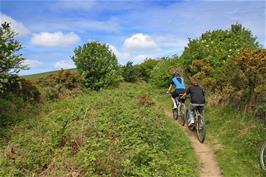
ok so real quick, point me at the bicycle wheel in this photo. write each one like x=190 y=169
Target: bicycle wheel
x=175 y=114
x=181 y=119
x=263 y=156
x=200 y=127
x=186 y=117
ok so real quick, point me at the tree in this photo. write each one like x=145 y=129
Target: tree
x=129 y=72
x=11 y=62
x=97 y=65
x=215 y=47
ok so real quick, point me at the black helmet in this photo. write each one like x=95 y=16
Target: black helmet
x=176 y=74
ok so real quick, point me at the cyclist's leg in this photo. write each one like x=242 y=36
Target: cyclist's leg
x=180 y=92
x=173 y=98
x=191 y=114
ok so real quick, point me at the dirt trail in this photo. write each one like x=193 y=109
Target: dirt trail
x=208 y=166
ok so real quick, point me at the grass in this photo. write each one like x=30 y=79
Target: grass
x=235 y=137
x=116 y=132
x=239 y=139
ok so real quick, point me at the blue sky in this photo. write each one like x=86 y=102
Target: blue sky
x=51 y=29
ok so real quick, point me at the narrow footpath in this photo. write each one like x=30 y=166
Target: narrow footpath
x=208 y=166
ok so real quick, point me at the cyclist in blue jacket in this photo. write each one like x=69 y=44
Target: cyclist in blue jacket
x=180 y=88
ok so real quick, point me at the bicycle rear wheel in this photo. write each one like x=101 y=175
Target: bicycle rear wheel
x=175 y=114
x=263 y=156
x=182 y=114
x=200 y=127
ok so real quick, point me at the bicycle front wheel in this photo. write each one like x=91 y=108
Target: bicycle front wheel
x=263 y=156
x=200 y=127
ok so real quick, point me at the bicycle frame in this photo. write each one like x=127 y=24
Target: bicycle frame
x=179 y=113
x=197 y=115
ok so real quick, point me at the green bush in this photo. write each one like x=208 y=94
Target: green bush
x=22 y=88
x=129 y=72
x=162 y=73
x=203 y=56
x=97 y=65
x=215 y=47
x=246 y=74
x=144 y=69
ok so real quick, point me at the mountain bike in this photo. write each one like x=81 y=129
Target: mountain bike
x=199 y=123
x=179 y=113
x=263 y=156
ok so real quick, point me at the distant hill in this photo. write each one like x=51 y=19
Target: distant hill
x=39 y=75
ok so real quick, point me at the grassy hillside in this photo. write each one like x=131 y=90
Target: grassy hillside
x=40 y=75
x=116 y=132
x=235 y=137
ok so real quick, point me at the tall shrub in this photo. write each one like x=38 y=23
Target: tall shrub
x=245 y=72
x=97 y=65
x=129 y=72
x=11 y=62
x=162 y=72
x=144 y=69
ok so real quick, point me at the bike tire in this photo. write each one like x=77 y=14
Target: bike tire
x=263 y=157
x=181 y=119
x=201 y=131
x=175 y=114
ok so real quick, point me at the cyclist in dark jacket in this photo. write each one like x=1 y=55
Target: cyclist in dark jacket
x=180 y=88
x=197 y=99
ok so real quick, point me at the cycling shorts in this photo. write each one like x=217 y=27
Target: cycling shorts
x=178 y=92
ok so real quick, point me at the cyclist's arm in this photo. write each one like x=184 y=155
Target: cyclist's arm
x=170 y=87
x=187 y=92
x=184 y=95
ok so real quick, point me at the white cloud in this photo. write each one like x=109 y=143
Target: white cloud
x=120 y=56
x=16 y=26
x=64 y=64
x=140 y=41
x=33 y=63
x=114 y=50
x=57 y=39
x=140 y=58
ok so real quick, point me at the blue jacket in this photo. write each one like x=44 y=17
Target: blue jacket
x=178 y=82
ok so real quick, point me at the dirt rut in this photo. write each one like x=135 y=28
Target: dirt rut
x=208 y=166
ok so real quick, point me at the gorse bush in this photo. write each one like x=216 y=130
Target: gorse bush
x=24 y=89
x=60 y=84
x=65 y=78
x=97 y=65
x=245 y=74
